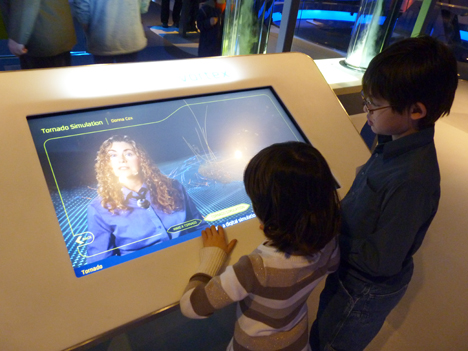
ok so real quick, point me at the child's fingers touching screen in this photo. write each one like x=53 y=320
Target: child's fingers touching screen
x=215 y=237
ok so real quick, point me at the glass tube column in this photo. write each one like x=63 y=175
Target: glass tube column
x=246 y=26
x=371 y=32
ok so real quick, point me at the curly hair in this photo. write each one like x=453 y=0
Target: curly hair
x=163 y=194
x=293 y=193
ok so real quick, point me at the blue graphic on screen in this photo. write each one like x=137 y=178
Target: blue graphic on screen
x=129 y=180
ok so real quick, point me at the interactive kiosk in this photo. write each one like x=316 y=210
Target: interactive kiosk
x=73 y=267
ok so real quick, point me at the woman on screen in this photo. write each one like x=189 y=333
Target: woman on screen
x=137 y=205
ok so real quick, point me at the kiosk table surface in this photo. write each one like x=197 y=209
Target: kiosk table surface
x=199 y=121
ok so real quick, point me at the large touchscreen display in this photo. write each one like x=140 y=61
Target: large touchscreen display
x=129 y=180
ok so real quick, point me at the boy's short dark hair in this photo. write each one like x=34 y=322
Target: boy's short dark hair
x=414 y=70
x=293 y=193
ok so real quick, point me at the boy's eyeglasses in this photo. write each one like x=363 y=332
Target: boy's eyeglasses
x=366 y=103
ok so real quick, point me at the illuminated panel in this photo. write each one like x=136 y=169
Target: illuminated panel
x=201 y=143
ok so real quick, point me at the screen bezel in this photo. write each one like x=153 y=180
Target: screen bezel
x=98 y=266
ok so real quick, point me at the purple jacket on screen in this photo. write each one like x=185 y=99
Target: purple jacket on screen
x=127 y=231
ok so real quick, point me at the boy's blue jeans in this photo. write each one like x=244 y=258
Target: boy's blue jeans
x=351 y=313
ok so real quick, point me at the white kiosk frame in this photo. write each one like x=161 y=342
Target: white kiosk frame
x=44 y=305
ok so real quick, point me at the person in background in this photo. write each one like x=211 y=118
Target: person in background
x=3 y=32
x=40 y=32
x=114 y=31
x=395 y=195
x=293 y=194
x=165 y=9
x=209 y=23
x=193 y=6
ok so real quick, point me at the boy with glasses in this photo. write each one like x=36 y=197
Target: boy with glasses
x=395 y=195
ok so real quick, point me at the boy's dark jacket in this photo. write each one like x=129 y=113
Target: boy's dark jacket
x=389 y=208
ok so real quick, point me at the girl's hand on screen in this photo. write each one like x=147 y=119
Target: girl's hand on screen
x=216 y=237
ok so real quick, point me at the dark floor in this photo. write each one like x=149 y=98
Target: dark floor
x=159 y=48
x=171 y=331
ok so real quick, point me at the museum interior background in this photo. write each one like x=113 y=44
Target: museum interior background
x=322 y=29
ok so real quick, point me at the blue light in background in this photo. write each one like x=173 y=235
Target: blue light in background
x=464 y=35
x=327 y=15
x=320 y=14
x=336 y=16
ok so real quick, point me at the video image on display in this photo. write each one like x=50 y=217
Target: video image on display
x=128 y=180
